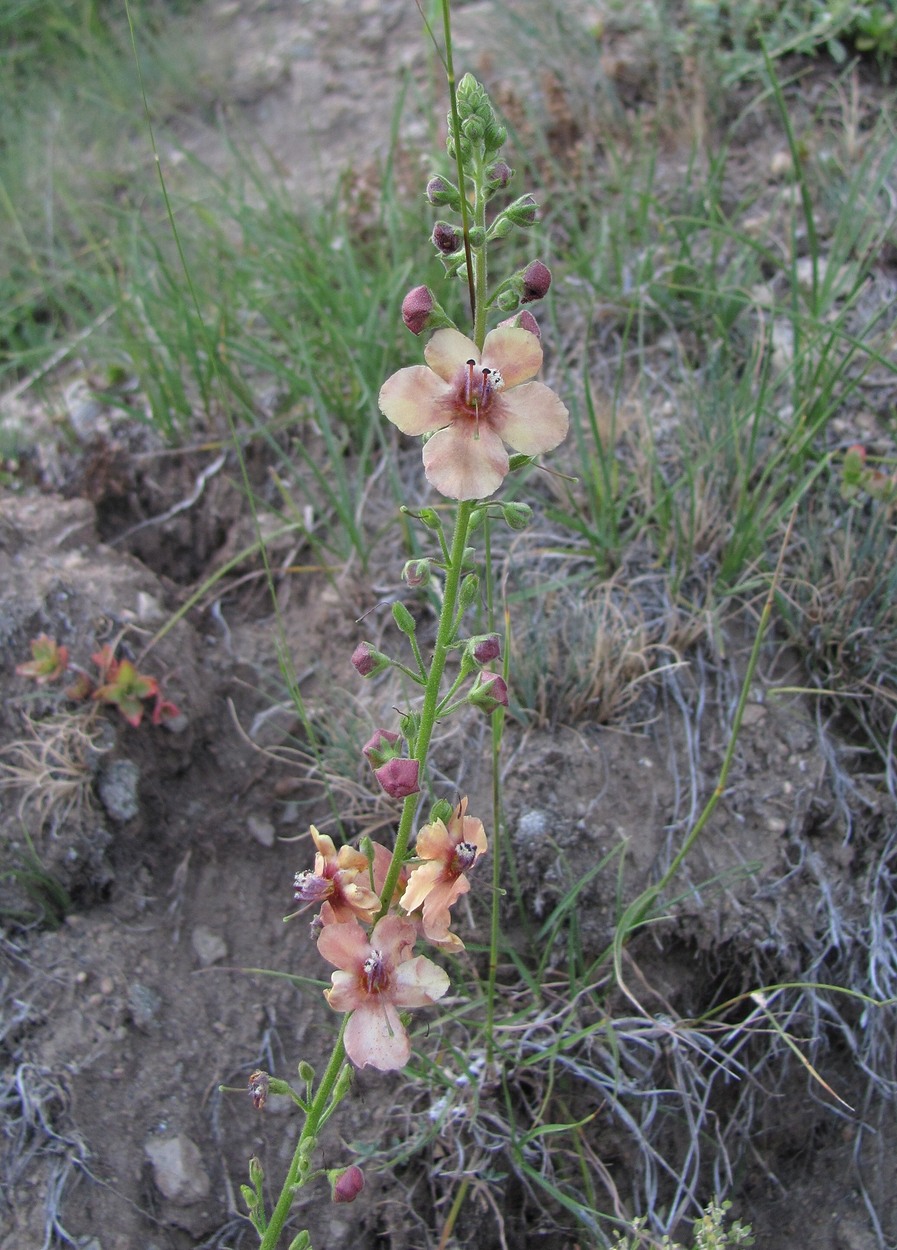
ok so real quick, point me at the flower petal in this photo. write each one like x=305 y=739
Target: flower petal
x=515 y=353
x=414 y=399
x=434 y=842
x=344 y=945
x=419 y=982
x=344 y=994
x=436 y=914
x=375 y=1036
x=394 y=936
x=420 y=883
x=532 y=419
x=462 y=466
x=448 y=351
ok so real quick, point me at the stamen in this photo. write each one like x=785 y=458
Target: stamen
x=469 y=396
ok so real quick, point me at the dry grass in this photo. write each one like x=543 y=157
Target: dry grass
x=52 y=768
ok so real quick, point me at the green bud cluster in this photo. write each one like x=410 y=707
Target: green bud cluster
x=482 y=135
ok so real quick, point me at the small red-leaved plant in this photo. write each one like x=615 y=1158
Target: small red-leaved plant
x=119 y=681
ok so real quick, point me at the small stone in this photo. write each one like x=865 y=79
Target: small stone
x=178 y=1169
x=143 y=1004
x=780 y=165
x=208 y=946
x=261 y=829
x=118 y=790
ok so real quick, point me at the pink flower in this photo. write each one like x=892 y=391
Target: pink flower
x=377 y=977
x=473 y=405
x=450 y=852
x=338 y=882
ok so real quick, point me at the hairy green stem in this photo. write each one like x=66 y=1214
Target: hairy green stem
x=445 y=636
x=316 y=1115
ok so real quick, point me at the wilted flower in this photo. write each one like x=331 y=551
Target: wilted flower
x=421 y=311
x=399 y=777
x=473 y=405
x=381 y=746
x=446 y=238
x=484 y=648
x=346 y=1184
x=450 y=851
x=536 y=281
x=338 y=879
x=368 y=661
x=377 y=977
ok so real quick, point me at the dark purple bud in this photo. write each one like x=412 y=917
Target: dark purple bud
x=498 y=176
x=485 y=648
x=399 y=777
x=346 y=1185
x=536 y=281
x=524 y=320
x=443 y=193
x=368 y=661
x=446 y=238
x=381 y=747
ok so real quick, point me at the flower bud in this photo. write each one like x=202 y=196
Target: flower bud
x=517 y=516
x=446 y=238
x=399 y=777
x=416 y=573
x=536 y=281
x=500 y=228
x=470 y=588
x=368 y=661
x=484 y=648
x=381 y=747
x=422 y=311
x=488 y=693
x=508 y=300
x=523 y=321
x=404 y=620
x=442 y=193
x=498 y=176
x=523 y=211
x=442 y=810
x=346 y=1184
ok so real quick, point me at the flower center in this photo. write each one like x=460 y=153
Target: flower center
x=375 y=973
x=464 y=857
x=479 y=386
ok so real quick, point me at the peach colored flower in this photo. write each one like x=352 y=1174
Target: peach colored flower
x=473 y=405
x=339 y=881
x=376 y=977
x=450 y=852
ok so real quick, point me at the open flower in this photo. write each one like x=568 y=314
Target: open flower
x=377 y=977
x=450 y=851
x=337 y=882
x=473 y=405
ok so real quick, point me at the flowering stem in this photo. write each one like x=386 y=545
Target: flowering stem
x=445 y=636
x=317 y=1113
